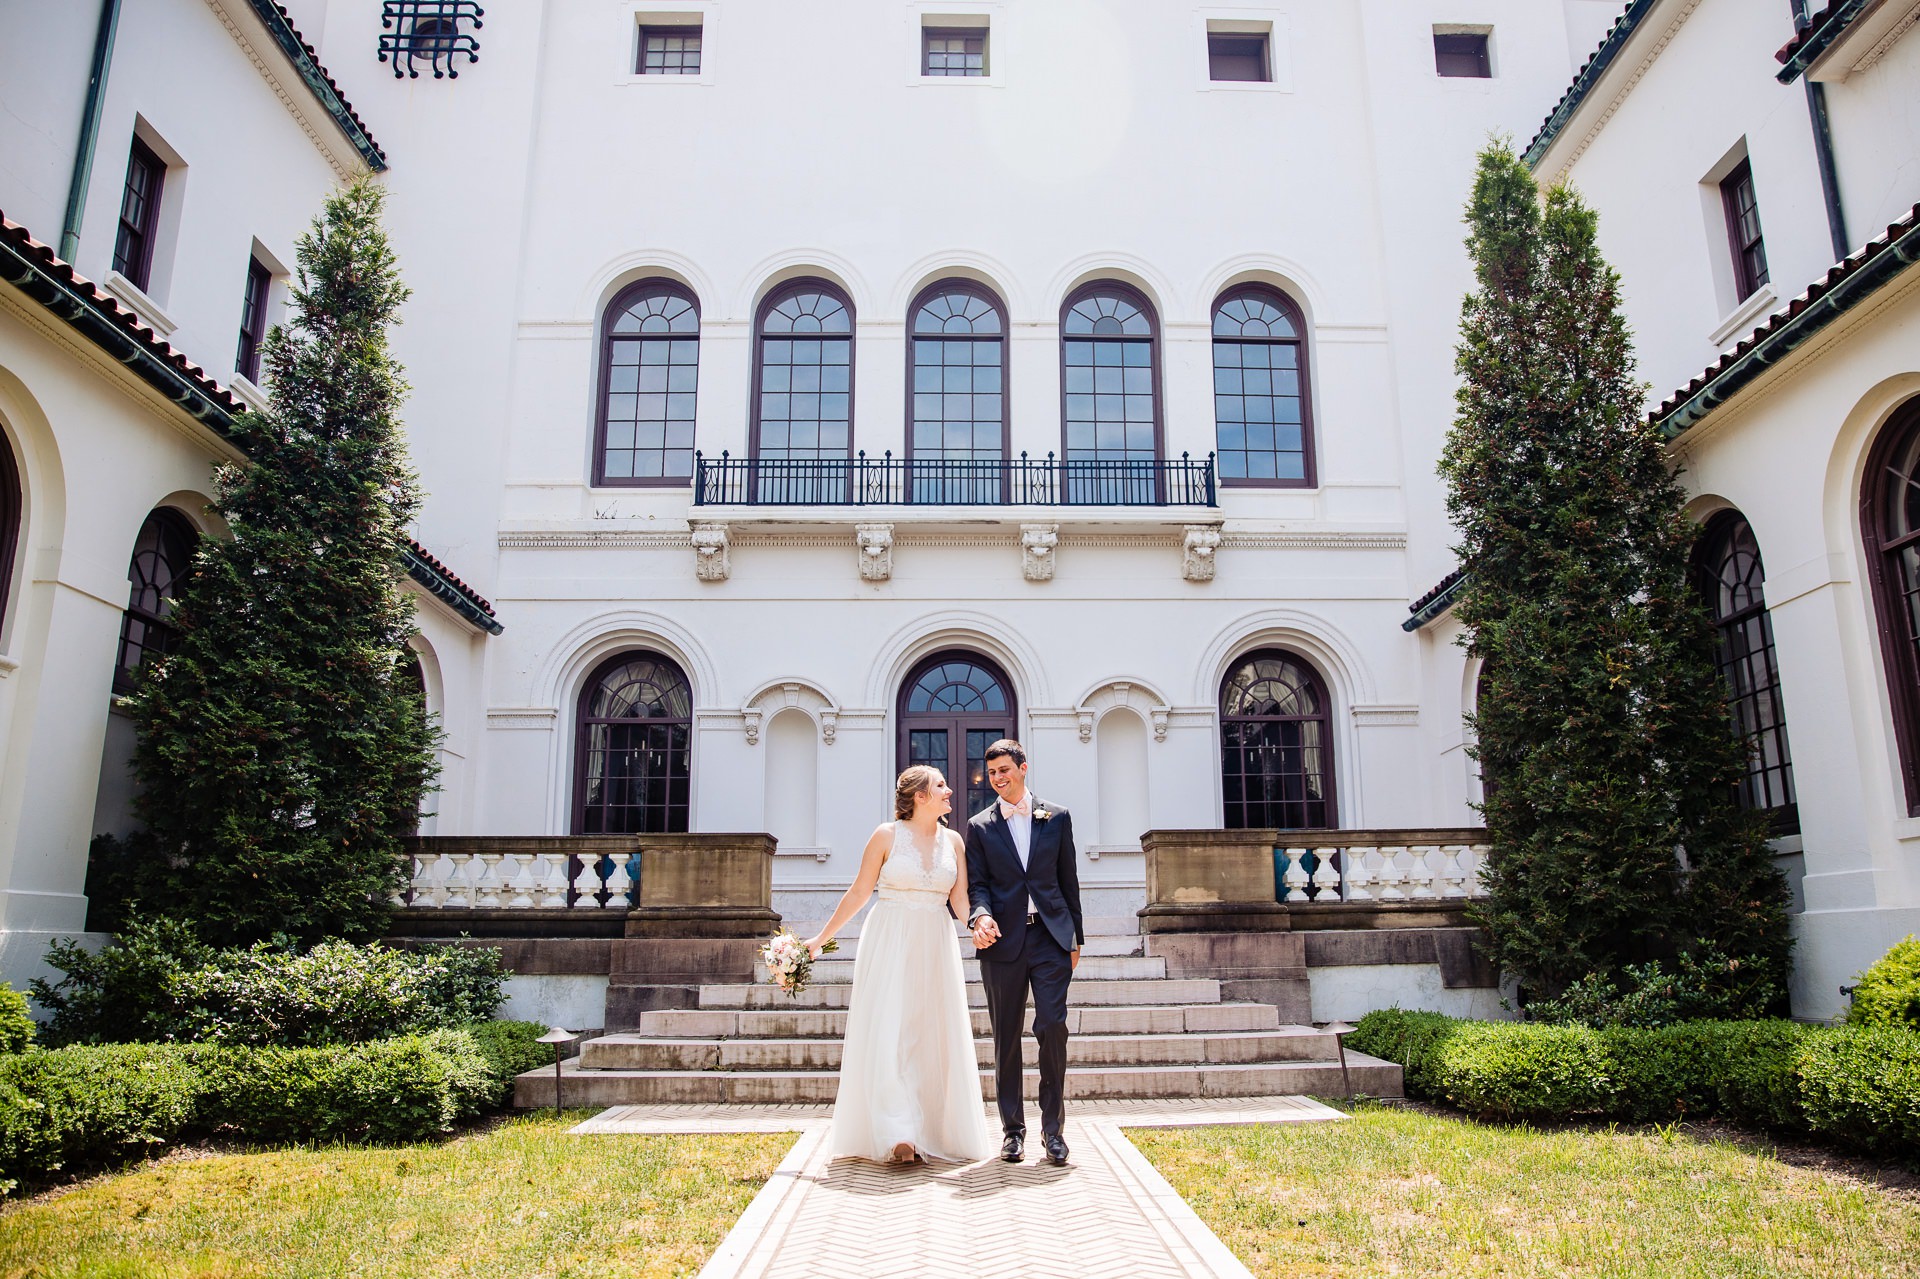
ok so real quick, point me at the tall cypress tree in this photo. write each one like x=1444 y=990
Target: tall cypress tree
x=283 y=747
x=1603 y=726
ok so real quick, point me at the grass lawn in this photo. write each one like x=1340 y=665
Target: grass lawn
x=521 y=1199
x=1401 y=1192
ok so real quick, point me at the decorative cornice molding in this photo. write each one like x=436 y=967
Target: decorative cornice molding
x=326 y=93
x=1327 y=540
x=1590 y=76
x=523 y=718
x=1385 y=715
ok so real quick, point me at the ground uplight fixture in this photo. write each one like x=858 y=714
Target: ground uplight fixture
x=1338 y=1029
x=557 y=1036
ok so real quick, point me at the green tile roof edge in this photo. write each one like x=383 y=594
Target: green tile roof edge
x=1585 y=79
x=1436 y=603
x=324 y=90
x=1806 y=46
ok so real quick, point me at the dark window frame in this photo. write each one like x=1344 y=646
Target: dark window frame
x=1329 y=772
x=788 y=288
x=13 y=513
x=956 y=724
x=253 y=319
x=972 y=288
x=1749 y=254
x=1744 y=637
x=929 y=34
x=134 y=239
x=1309 y=465
x=155 y=633
x=677 y=822
x=1456 y=49
x=665 y=30
x=1218 y=52
x=1155 y=364
x=1900 y=663
x=625 y=298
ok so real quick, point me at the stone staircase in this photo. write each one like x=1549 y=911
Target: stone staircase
x=1135 y=1032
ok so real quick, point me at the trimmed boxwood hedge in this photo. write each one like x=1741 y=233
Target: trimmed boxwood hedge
x=1853 y=1087
x=97 y=1105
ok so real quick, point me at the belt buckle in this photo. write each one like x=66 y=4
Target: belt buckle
x=1033 y=917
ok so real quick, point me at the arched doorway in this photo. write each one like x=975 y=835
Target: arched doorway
x=1276 y=745
x=953 y=706
x=632 y=761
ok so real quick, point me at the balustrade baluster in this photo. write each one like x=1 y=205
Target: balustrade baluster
x=430 y=885
x=521 y=885
x=1422 y=872
x=1453 y=875
x=487 y=881
x=1359 y=874
x=1477 y=853
x=619 y=882
x=1296 y=876
x=553 y=881
x=586 y=884
x=458 y=898
x=1326 y=876
x=1392 y=875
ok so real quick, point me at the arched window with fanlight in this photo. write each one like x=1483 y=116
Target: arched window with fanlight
x=1110 y=380
x=1263 y=419
x=162 y=557
x=956 y=394
x=1276 y=740
x=649 y=374
x=633 y=753
x=953 y=706
x=12 y=514
x=802 y=439
x=1890 y=524
x=1730 y=578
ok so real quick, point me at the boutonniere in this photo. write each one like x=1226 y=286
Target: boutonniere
x=1041 y=814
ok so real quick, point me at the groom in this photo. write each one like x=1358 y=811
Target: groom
x=1024 y=885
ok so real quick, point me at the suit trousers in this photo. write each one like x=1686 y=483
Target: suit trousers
x=1046 y=970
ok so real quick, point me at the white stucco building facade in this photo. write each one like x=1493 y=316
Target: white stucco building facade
x=1091 y=293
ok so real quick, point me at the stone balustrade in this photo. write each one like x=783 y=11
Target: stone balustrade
x=1379 y=866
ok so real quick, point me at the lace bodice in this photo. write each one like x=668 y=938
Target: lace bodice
x=906 y=877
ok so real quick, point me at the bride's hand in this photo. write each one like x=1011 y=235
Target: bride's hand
x=814 y=946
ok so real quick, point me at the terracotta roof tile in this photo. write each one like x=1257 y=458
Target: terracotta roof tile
x=474 y=597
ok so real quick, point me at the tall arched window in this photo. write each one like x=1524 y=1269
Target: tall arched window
x=952 y=707
x=12 y=512
x=956 y=397
x=162 y=556
x=633 y=754
x=1261 y=413
x=649 y=370
x=1730 y=577
x=1890 y=522
x=1276 y=739
x=803 y=394
x=1110 y=379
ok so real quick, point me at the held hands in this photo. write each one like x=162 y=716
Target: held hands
x=985 y=932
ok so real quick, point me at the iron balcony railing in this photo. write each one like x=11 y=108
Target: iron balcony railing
x=892 y=481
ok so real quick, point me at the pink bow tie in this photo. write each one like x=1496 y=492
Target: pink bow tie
x=1022 y=809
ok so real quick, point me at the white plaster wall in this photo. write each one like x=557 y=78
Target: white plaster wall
x=1349 y=992
x=574 y=1001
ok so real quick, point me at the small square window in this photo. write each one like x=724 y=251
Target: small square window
x=953 y=51
x=1238 y=57
x=1462 y=54
x=669 y=51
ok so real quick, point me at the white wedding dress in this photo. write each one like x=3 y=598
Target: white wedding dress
x=907 y=1069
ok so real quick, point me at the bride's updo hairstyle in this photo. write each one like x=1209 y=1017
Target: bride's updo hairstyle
x=917 y=780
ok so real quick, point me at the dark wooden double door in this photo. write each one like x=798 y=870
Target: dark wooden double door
x=953 y=706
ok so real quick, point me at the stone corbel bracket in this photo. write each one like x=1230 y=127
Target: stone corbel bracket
x=1199 y=546
x=791 y=693
x=710 y=558
x=875 y=542
x=1136 y=695
x=1037 y=542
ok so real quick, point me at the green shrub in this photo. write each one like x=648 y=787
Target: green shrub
x=1503 y=1070
x=510 y=1049
x=1888 y=994
x=92 y=1105
x=16 y=1024
x=1749 y=1067
x=391 y=1090
x=123 y=993
x=1703 y=985
x=1409 y=1037
x=1861 y=1087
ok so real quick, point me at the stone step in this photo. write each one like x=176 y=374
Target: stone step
x=1164 y=990
x=801 y=1023
x=1095 y=946
x=638 y=1052
x=1093 y=927
x=1371 y=1077
x=1092 y=968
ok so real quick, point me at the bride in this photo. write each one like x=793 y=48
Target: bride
x=909 y=1081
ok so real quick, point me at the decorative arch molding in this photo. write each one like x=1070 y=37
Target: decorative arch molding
x=1313 y=637
x=580 y=650
x=790 y=694
x=1123 y=693
x=960 y=264
x=1702 y=507
x=644 y=264
x=770 y=273
x=36 y=453
x=197 y=509
x=1127 y=269
x=1284 y=274
x=430 y=674
x=959 y=628
x=1847 y=464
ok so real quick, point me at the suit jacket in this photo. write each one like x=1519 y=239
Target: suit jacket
x=997 y=883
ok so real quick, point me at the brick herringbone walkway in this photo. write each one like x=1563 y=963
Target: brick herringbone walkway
x=1108 y=1215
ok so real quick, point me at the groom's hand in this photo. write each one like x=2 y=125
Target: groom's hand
x=1073 y=957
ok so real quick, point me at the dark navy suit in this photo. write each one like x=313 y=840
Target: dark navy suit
x=1027 y=958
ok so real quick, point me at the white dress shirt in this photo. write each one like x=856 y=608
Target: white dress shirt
x=1021 y=828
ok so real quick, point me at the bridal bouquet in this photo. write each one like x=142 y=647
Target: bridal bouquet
x=789 y=962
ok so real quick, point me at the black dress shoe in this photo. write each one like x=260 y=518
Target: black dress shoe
x=1056 y=1150
x=1014 y=1148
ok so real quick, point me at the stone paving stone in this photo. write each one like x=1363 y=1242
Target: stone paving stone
x=1108 y=1215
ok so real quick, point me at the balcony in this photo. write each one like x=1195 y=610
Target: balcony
x=891 y=481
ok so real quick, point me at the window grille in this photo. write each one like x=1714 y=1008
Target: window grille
x=670 y=50
x=431 y=31
x=949 y=52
